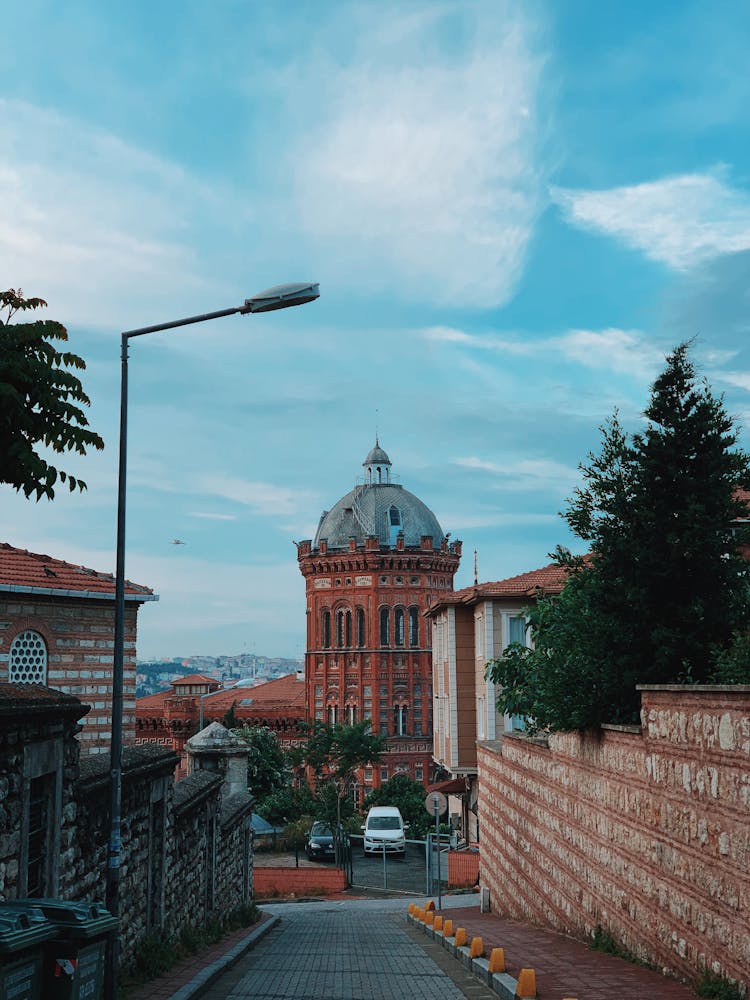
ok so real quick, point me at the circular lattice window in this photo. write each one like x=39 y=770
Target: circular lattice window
x=28 y=659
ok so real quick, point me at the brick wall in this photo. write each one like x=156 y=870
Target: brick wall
x=298 y=881
x=642 y=831
x=463 y=868
x=79 y=635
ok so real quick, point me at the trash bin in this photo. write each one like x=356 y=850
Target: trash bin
x=75 y=952
x=23 y=933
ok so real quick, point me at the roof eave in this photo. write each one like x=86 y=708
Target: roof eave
x=89 y=595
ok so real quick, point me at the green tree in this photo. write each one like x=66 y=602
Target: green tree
x=268 y=768
x=41 y=401
x=665 y=589
x=286 y=805
x=335 y=754
x=408 y=796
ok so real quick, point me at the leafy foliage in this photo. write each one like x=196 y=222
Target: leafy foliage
x=408 y=796
x=267 y=765
x=286 y=805
x=41 y=401
x=718 y=988
x=665 y=589
x=334 y=754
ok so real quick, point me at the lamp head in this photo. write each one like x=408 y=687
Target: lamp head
x=295 y=293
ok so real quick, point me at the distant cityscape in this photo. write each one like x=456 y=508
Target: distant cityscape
x=153 y=676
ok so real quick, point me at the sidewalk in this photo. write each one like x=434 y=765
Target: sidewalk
x=186 y=979
x=565 y=967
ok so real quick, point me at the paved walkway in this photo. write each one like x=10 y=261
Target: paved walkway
x=565 y=967
x=363 y=949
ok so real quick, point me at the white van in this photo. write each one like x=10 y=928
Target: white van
x=384 y=828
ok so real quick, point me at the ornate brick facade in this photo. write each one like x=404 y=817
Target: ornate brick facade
x=379 y=559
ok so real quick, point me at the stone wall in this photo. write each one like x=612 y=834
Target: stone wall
x=186 y=846
x=643 y=831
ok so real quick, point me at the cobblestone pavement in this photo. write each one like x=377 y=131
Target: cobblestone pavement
x=343 y=951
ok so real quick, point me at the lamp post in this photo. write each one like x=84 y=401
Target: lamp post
x=279 y=297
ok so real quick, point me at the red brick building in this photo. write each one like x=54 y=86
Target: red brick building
x=57 y=628
x=170 y=718
x=378 y=561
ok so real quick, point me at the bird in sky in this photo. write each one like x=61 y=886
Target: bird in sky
x=178 y=541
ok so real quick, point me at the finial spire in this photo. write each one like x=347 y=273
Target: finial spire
x=476 y=569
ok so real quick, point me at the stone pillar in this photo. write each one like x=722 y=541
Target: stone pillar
x=216 y=749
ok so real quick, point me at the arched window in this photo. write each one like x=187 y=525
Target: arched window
x=326 y=630
x=333 y=715
x=385 y=627
x=351 y=715
x=361 y=638
x=413 y=626
x=348 y=629
x=27 y=660
x=400 y=713
x=339 y=629
x=398 y=627
x=395 y=524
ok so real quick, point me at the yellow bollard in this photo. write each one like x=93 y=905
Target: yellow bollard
x=526 y=985
x=438 y=924
x=497 y=960
x=410 y=910
x=448 y=928
x=476 y=949
x=429 y=905
x=429 y=917
x=460 y=936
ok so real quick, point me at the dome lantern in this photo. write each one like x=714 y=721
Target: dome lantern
x=377 y=466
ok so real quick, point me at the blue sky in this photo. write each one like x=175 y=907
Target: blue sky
x=514 y=210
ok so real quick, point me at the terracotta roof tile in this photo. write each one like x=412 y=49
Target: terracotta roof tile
x=549 y=579
x=194 y=679
x=281 y=694
x=23 y=570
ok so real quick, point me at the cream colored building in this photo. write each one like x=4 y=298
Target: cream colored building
x=470 y=627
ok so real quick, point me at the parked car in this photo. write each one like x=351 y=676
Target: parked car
x=319 y=842
x=384 y=828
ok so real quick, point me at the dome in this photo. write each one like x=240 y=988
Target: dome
x=376 y=457
x=380 y=508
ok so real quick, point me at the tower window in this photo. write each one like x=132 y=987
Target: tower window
x=360 y=628
x=385 y=627
x=326 y=630
x=398 y=630
x=414 y=626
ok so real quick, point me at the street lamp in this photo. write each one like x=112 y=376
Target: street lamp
x=279 y=297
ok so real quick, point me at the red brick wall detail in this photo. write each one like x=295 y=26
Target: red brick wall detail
x=646 y=833
x=80 y=645
x=463 y=868
x=297 y=881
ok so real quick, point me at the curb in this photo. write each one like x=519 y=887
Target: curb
x=212 y=972
x=499 y=982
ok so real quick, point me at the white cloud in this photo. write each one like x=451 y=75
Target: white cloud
x=95 y=226
x=492 y=519
x=627 y=352
x=212 y=517
x=739 y=379
x=422 y=175
x=623 y=351
x=263 y=498
x=524 y=474
x=679 y=221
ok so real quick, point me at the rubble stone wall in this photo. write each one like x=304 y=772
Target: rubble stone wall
x=642 y=831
